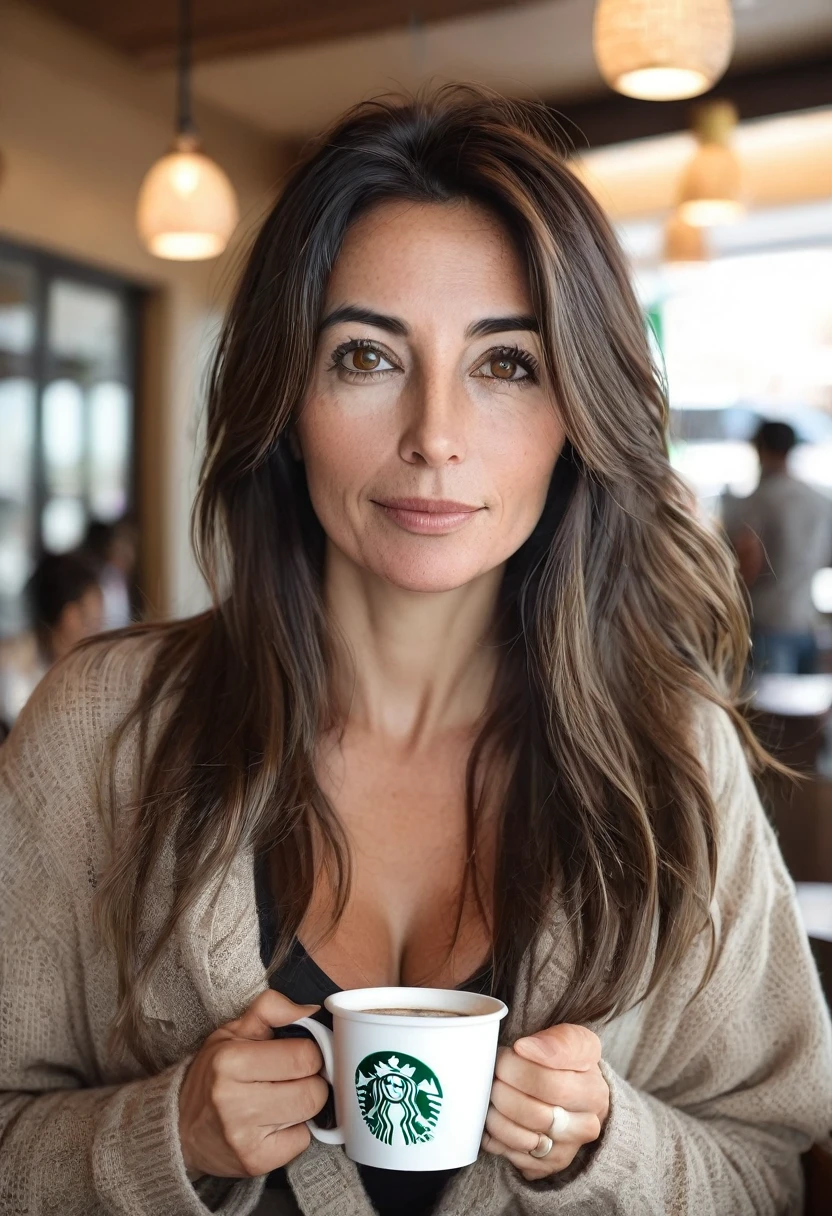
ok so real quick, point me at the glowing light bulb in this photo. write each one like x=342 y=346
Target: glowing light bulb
x=187 y=208
x=663 y=50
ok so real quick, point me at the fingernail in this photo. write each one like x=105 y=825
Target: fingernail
x=532 y=1047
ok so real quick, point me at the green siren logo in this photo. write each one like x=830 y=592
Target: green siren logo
x=399 y=1097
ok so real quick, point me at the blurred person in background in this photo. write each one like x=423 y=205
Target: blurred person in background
x=782 y=534
x=112 y=547
x=65 y=606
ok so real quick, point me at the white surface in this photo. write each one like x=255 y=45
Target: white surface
x=815 y=901
x=794 y=696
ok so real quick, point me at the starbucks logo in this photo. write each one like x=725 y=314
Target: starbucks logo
x=399 y=1097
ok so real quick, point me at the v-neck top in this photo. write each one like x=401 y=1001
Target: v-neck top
x=392 y=1192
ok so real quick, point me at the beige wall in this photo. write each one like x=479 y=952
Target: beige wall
x=78 y=128
x=786 y=159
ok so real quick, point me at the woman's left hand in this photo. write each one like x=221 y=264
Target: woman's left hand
x=557 y=1068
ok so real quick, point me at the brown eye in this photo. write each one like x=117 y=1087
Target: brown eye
x=508 y=364
x=361 y=360
x=503 y=369
x=364 y=360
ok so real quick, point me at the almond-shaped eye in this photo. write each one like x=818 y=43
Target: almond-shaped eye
x=365 y=359
x=504 y=367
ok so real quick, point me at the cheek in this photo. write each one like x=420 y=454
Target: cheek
x=341 y=451
x=522 y=453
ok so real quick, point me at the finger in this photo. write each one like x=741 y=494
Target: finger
x=555 y=1087
x=583 y=1129
x=520 y=1108
x=272 y=1106
x=266 y=1011
x=531 y=1167
x=278 y=1060
x=284 y=1145
x=299 y=1100
x=509 y=1134
x=274 y=1150
x=565 y=1046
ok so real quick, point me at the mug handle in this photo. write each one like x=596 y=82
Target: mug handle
x=323 y=1037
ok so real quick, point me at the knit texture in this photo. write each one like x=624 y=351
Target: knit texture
x=714 y=1094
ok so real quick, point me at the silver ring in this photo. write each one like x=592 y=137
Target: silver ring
x=543 y=1148
x=560 y=1122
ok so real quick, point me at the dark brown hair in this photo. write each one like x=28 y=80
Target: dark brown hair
x=616 y=617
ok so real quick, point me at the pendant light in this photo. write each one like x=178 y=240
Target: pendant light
x=710 y=190
x=683 y=242
x=187 y=208
x=663 y=50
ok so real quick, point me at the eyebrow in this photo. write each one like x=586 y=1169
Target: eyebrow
x=395 y=325
x=365 y=316
x=498 y=325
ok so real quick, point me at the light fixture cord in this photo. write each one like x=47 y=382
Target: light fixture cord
x=184 y=118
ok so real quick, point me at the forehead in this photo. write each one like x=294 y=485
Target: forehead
x=444 y=251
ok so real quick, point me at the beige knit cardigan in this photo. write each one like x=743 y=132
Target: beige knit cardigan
x=713 y=1095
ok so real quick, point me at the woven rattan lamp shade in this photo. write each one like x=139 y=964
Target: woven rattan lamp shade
x=710 y=191
x=660 y=50
x=683 y=242
x=187 y=208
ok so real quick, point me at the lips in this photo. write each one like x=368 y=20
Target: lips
x=427 y=506
x=428 y=516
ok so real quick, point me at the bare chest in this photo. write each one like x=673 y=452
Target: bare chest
x=406 y=822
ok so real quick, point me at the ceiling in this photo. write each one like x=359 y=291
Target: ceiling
x=148 y=31
x=290 y=68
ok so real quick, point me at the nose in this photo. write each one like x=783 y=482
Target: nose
x=435 y=421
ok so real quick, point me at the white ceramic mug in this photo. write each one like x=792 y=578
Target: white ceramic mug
x=411 y=1093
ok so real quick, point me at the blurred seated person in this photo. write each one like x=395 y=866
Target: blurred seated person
x=65 y=605
x=112 y=547
x=782 y=536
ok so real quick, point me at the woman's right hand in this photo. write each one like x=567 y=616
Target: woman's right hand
x=246 y=1095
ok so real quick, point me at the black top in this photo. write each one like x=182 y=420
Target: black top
x=392 y=1192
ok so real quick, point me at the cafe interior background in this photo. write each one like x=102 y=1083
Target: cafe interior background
x=142 y=144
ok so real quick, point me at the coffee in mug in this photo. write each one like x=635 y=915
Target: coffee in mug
x=418 y=1013
x=412 y=1070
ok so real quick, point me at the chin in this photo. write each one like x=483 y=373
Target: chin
x=429 y=576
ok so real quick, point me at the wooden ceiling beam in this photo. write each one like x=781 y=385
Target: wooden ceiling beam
x=223 y=28
x=757 y=93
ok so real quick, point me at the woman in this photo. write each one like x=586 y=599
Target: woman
x=462 y=714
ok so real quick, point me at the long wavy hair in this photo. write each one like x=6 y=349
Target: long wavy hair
x=618 y=614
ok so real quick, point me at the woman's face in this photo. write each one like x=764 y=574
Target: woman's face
x=425 y=387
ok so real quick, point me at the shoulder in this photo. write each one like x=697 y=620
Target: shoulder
x=51 y=765
x=798 y=490
x=717 y=741
x=724 y=756
x=750 y=512
x=822 y=502
x=742 y=827
x=81 y=700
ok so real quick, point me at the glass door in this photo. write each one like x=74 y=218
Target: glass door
x=68 y=337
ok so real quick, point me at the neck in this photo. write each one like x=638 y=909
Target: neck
x=770 y=465
x=409 y=665
x=57 y=645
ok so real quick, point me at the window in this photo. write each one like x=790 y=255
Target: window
x=745 y=337
x=68 y=338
